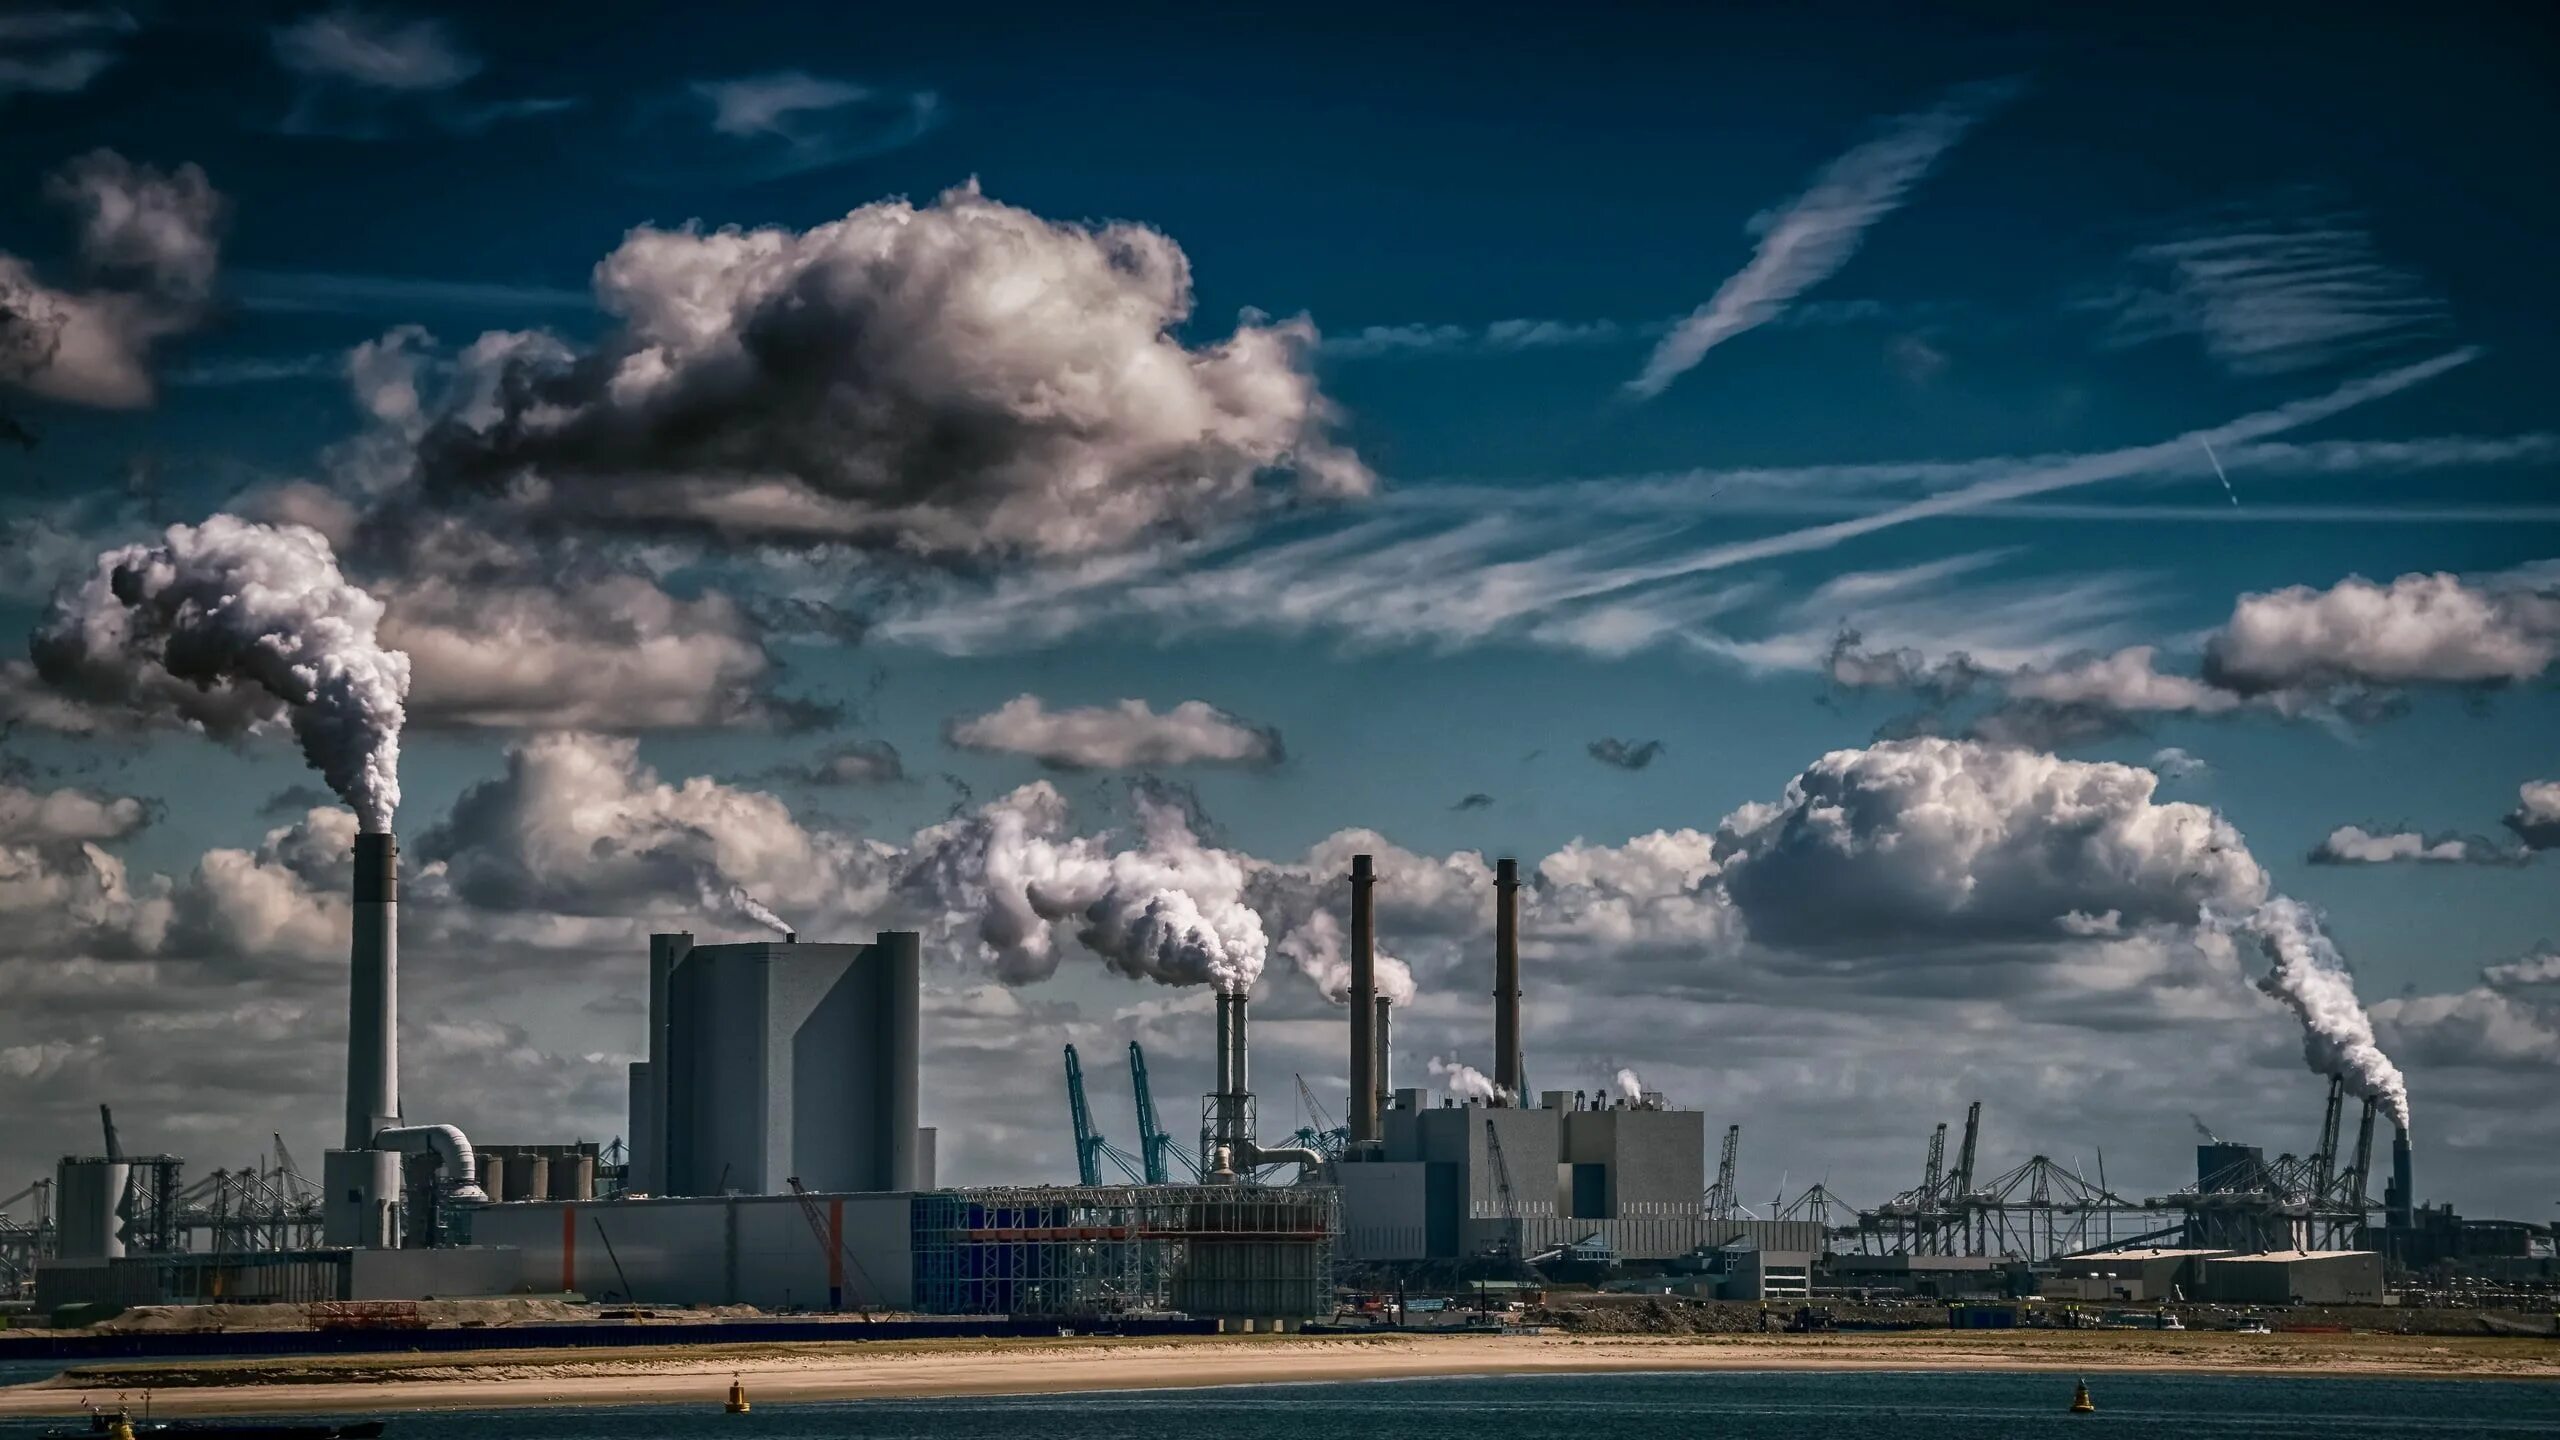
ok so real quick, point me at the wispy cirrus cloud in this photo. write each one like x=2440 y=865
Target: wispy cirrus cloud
x=60 y=50
x=1450 y=576
x=793 y=122
x=1808 y=240
x=364 y=74
x=2287 y=285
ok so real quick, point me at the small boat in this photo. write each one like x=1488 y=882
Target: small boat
x=2081 y=1404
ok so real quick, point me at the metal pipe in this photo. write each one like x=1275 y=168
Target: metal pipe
x=373 y=993
x=447 y=1143
x=1365 y=1005
x=1506 y=980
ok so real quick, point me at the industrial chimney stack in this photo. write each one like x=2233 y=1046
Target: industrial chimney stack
x=1365 y=1006
x=1506 y=981
x=362 y=1183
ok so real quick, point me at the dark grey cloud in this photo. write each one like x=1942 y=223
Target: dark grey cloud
x=856 y=762
x=1624 y=754
x=1475 y=801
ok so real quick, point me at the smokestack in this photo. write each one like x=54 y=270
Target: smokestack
x=2401 y=1206
x=1368 y=1012
x=1506 y=980
x=1385 y=1064
x=373 y=994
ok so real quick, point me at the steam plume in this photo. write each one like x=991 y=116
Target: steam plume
x=229 y=605
x=2311 y=977
x=745 y=904
x=1629 y=1087
x=1464 y=1081
x=1315 y=946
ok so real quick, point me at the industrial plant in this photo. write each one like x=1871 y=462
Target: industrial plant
x=775 y=1159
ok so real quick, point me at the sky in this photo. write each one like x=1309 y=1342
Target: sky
x=2008 y=557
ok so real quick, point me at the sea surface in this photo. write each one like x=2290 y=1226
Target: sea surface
x=1717 y=1406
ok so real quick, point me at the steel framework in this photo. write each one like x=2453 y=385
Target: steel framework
x=1215 y=1250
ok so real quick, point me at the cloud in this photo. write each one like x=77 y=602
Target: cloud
x=578 y=826
x=1922 y=842
x=2286 y=287
x=363 y=72
x=960 y=381
x=605 y=651
x=2173 y=763
x=796 y=122
x=2342 y=651
x=2354 y=845
x=2418 y=629
x=1128 y=735
x=59 y=51
x=2536 y=818
x=2482 y=1028
x=374 y=51
x=1476 y=800
x=1808 y=240
x=149 y=248
x=1500 y=337
x=856 y=762
x=1624 y=754
x=33 y=817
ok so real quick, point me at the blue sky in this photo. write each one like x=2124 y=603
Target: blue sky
x=2020 y=242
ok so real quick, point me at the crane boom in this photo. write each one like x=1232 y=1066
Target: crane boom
x=1089 y=1142
x=839 y=1256
x=1153 y=1144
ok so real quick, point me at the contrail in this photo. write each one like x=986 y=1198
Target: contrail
x=2217 y=472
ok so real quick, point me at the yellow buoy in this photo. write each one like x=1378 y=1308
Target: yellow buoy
x=737 y=1396
x=122 y=1429
x=2081 y=1404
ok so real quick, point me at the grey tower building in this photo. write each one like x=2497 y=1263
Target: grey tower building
x=774 y=1059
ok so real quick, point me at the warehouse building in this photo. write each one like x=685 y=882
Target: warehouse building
x=2129 y=1275
x=2295 y=1277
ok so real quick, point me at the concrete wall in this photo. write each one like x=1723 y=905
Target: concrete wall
x=446 y=1274
x=744 y=1249
x=1384 y=1215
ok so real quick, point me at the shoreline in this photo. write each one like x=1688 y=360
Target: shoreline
x=783 y=1374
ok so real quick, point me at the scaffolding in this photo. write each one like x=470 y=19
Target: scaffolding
x=1219 y=1251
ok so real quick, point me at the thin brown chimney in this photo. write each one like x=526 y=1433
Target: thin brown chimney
x=1364 y=998
x=1506 y=980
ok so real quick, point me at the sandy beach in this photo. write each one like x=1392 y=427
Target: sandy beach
x=784 y=1373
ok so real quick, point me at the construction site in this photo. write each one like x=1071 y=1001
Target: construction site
x=774 y=1159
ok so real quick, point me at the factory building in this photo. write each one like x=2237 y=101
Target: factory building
x=773 y=1060
x=2131 y=1275
x=1426 y=1178
x=2295 y=1277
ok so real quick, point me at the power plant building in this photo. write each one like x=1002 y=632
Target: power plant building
x=772 y=1060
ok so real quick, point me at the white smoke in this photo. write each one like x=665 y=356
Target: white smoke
x=745 y=904
x=1630 y=1088
x=2312 y=977
x=1463 y=1080
x=1171 y=909
x=1316 y=946
x=249 y=617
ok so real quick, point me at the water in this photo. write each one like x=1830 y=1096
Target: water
x=1725 y=1406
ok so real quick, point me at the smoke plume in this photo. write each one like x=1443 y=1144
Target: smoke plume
x=1629 y=1086
x=745 y=904
x=2312 y=977
x=249 y=618
x=1315 y=946
x=1463 y=1080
